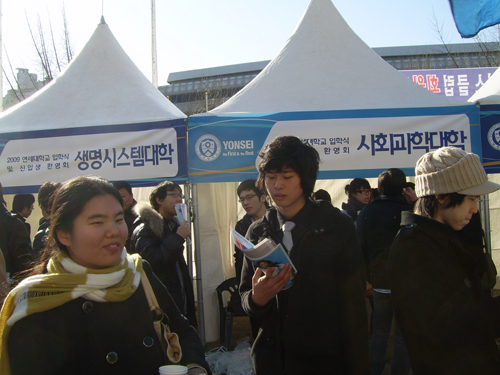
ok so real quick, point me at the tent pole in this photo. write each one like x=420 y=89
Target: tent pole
x=190 y=219
x=197 y=258
x=485 y=213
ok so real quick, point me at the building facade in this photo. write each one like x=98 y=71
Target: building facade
x=197 y=91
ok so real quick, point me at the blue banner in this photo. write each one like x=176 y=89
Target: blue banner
x=351 y=143
x=458 y=84
x=490 y=137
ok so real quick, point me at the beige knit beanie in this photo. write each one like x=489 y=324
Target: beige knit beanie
x=451 y=170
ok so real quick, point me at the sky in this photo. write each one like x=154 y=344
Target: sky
x=194 y=34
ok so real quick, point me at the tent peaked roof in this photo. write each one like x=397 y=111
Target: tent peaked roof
x=101 y=86
x=489 y=93
x=324 y=65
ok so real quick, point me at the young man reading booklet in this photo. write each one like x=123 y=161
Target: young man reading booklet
x=319 y=325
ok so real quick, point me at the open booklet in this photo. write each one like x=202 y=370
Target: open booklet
x=265 y=254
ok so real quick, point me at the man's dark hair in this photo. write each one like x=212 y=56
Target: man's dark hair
x=428 y=205
x=291 y=152
x=45 y=194
x=21 y=201
x=123 y=185
x=249 y=184
x=392 y=182
x=160 y=191
x=323 y=195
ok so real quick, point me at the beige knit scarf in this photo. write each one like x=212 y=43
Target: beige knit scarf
x=65 y=281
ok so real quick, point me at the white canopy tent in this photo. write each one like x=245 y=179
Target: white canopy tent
x=100 y=116
x=329 y=88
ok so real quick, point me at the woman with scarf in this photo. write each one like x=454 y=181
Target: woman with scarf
x=359 y=193
x=84 y=310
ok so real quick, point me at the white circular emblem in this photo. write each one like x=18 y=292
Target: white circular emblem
x=208 y=147
x=494 y=136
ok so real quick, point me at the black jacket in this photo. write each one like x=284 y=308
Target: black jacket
x=163 y=249
x=14 y=242
x=40 y=238
x=377 y=226
x=446 y=320
x=322 y=318
x=130 y=216
x=81 y=336
x=242 y=228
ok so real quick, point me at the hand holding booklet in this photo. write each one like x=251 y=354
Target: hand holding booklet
x=264 y=255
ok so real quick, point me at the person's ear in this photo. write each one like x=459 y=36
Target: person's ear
x=63 y=237
x=263 y=198
x=158 y=200
x=441 y=199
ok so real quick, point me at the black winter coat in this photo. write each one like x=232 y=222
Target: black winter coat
x=319 y=325
x=87 y=337
x=242 y=228
x=377 y=226
x=163 y=248
x=14 y=243
x=446 y=320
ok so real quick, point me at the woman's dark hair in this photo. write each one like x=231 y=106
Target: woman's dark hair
x=160 y=191
x=355 y=185
x=392 y=182
x=46 y=194
x=428 y=205
x=290 y=152
x=68 y=202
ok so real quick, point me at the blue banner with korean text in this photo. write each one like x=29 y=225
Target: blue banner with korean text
x=351 y=143
x=490 y=137
x=141 y=153
x=458 y=84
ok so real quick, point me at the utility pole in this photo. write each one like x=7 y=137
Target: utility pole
x=153 y=44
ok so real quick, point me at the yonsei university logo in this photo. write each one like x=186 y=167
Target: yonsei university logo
x=494 y=136
x=208 y=147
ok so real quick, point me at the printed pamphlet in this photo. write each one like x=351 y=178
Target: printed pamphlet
x=265 y=254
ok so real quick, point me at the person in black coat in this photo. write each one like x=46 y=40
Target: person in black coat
x=159 y=238
x=319 y=324
x=447 y=322
x=14 y=243
x=84 y=310
x=377 y=226
x=45 y=195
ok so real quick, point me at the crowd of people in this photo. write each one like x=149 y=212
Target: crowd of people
x=85 y=286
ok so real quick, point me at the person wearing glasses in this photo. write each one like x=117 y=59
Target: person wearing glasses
x=377 y=226
x=253 y=201
x=359 y=194
x=159 y=238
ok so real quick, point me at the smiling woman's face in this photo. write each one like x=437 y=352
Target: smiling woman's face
x=98 y=235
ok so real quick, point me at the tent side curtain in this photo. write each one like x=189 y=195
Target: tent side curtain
x=141 y=153
x=351 y=143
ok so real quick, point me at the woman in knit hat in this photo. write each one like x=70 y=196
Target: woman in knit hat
x=446 y=320
x=86 y=311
